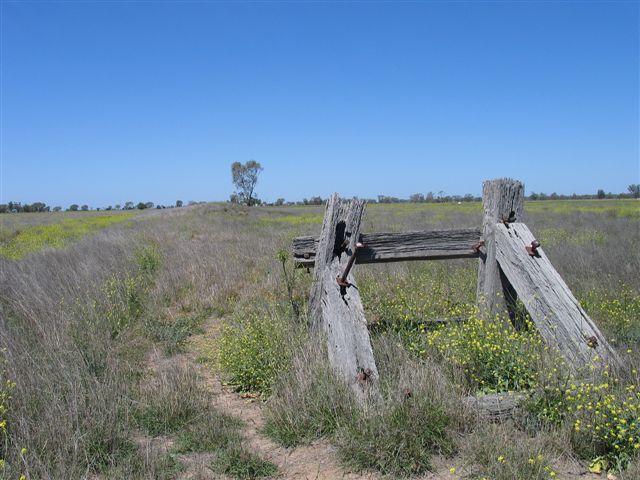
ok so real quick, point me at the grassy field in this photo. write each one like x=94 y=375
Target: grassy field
x=23 y=233
x=105 y=371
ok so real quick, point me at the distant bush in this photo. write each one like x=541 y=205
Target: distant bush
x=148 y=259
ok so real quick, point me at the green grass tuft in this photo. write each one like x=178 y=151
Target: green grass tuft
x=239 y=463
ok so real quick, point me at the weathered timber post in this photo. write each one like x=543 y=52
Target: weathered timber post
x=502 y=200
x=336 y=310
x=560 y=319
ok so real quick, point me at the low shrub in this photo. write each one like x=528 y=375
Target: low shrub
x=603 y=416
x=494 y=356
x=256 y=345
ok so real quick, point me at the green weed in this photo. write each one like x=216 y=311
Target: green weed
x=125 y=301
x=255 y=346
x=602 y=415
x=173 y=334
x=408 y=304
x=618 y=314
x=239 y=463
x=212 y=431
x=494 y=356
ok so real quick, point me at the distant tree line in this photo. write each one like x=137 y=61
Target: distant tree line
x=18 y=207
x=633 y=191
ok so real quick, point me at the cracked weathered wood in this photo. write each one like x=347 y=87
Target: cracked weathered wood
x=497 y=406
x=500 y=198
x=337 y=312
x=560 y=319
x=396 y=247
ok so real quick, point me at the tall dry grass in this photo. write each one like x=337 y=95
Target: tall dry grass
x=79 y=379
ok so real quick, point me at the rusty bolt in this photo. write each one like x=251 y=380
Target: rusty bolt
x=533 y=249
x=592 y=342
x=476 y=247
x=342 y=279
x=364 y=376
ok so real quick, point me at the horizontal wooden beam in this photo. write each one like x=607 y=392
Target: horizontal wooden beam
x=398 y=247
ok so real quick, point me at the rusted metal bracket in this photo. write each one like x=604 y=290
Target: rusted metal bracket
x=476 y=247
x=533 y=249
x=364 y=376
x=342 y=279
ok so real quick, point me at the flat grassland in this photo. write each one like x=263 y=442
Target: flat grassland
x=173 y=344
x=23 y=233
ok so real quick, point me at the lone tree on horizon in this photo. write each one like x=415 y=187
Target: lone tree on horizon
x=245 y=177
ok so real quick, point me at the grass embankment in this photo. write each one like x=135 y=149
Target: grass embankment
x=57 y=234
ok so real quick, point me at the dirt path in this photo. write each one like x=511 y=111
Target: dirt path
x=318 y=461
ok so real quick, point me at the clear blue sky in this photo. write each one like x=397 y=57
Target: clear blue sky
x=104 y=102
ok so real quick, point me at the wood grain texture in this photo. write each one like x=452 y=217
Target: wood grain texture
x=560 y=319
x=324 y=251
x=395 y=247
x=499 y=198
x=497 y=406
x=339 y=312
